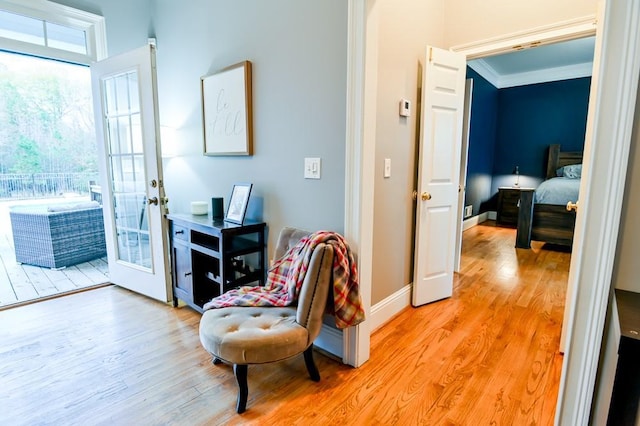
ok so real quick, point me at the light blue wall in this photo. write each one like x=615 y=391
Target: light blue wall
x=299 y=57
x=298 y=52
x=128 y=22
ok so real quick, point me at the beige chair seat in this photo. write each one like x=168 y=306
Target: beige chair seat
x=246 y=335
x=256 y=335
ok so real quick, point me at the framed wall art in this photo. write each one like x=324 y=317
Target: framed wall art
x=227 y=112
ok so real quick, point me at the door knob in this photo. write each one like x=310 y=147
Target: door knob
x=153 y=201
x=425 y=196
x=572 y=206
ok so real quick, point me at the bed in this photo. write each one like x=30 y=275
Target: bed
x=543 y=214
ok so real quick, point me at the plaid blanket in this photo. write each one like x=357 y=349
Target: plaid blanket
x=287 y=274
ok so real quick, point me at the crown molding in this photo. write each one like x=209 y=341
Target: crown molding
x=530 y=77
x=546 y=75
x=486 y=71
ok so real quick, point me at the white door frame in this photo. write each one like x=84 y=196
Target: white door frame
x=359 y=163
x=608 y=164
x=601 y=203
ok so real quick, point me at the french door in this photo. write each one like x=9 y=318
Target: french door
x=124 y=92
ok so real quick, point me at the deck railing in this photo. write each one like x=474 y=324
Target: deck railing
x=18 y=186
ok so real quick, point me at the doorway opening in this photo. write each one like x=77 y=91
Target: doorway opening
x=48 y=37
x=526 y=102
x=581 y=38
x=48 y=162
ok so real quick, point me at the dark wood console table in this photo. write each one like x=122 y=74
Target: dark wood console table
x=209 y=258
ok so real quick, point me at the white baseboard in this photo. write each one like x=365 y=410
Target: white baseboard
x=330 y=340
x=475 y=220
x=386 y=309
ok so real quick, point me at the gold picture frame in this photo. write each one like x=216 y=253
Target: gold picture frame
x=226 y=111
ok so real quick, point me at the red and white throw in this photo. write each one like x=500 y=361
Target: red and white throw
x=287 y=274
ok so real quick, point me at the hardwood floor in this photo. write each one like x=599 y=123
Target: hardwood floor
x=488 y=355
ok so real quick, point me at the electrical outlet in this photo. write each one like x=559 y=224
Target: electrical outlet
x=468 y=211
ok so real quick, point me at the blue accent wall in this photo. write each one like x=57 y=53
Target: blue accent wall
x=513 y=127
x=532 y=117
x=482 y=141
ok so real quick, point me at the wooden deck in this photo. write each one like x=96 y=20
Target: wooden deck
x=20 y=284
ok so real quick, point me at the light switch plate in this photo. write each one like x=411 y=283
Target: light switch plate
x=387 y=167
x=405 y=108
x=312 y=168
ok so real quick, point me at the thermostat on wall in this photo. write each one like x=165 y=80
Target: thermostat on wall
x=405 y=108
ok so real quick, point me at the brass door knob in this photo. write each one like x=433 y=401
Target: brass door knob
x=425 y=196
x=153 y=201
x=572 y=206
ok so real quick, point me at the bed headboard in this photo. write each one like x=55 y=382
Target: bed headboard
x=557 y=159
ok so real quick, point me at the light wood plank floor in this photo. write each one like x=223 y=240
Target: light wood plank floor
x=486 y=356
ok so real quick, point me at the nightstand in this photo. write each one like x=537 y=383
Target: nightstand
x=508 y=198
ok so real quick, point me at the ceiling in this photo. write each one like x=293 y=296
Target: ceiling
x=551 y=62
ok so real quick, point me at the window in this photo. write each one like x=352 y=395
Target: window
x=51 y=30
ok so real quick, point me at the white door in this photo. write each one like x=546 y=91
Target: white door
x=464 y=158
x=124 y=92
x=438 y=174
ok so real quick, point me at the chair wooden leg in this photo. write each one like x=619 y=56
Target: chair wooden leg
x=311 y=365
x=240 y=372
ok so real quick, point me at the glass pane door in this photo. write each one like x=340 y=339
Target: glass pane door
x=127 y=168
x=124 y=91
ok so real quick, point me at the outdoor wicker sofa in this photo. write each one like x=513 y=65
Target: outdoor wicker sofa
x=58 y=236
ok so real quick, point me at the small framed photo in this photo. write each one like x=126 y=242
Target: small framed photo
x=238 y=203
x=227 y=112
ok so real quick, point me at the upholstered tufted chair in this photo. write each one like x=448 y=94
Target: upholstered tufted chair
x=257 y=335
